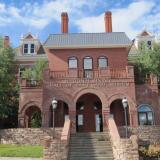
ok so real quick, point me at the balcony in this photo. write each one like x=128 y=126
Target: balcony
x=110 y=73
x=30 y=83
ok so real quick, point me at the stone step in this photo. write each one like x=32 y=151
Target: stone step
x=95 y=158
x=90 y=157
x=104 y=153
x=90 y=146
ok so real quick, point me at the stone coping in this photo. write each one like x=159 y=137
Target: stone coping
x=19 y=158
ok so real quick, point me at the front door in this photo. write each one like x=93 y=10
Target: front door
x=89 y=116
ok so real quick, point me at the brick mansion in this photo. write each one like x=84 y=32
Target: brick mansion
x=89 y=75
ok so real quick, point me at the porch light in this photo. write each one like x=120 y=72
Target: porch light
x=125 y=105
x=54 y=106
x=54 y=103
x=125 y=102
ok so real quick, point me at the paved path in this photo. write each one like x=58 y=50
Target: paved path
x=17 y=158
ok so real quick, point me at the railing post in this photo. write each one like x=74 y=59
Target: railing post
x=130 y=71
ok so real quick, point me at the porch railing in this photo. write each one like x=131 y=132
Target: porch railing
x=90 y=74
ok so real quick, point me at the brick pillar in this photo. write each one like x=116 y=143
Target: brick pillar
x=72 y=116
x=21 y=121
x=133 y=118
x=45 y=118
x=106 y=112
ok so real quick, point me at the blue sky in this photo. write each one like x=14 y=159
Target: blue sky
x=42 y=17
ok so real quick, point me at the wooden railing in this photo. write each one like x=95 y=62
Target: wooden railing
x=90 y=74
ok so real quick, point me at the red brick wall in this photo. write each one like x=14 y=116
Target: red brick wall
x=58 y=59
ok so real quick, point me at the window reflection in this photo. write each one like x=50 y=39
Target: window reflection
x=145 y=115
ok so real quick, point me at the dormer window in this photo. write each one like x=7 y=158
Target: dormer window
x=149 y=44
x=25 y=48
x=29 y=48
x=32 y=48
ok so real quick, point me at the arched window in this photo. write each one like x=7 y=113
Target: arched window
x=102 y=62
x=88 y=63
x=72 y=62
x=145 y=115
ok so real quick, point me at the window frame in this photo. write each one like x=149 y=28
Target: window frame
x=72 y=58
x=102 y=57
x=29 y=48
x=146 y=114
x=88 y=57
x=24 y=48
x=32 y=48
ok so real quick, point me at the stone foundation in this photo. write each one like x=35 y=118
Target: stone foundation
x=146 y=134
x=28 y=136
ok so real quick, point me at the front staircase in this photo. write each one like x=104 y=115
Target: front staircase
x=90 y=146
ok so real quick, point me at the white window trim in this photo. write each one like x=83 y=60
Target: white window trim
x=29 y=49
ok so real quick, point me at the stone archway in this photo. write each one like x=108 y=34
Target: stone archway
x=89 y=113
x=33 y=117
x=118 y=112
x=25 y=114
x=132 y=110
x=60 y=114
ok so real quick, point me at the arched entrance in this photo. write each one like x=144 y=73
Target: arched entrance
x=33 y=117
x=89 y=113
x=61 y=113
x=117 y=110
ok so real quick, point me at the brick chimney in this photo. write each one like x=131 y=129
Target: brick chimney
x=64 y=22
x=108 y=21
x=6 y=41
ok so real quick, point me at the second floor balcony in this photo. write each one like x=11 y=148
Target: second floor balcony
x=110 y=73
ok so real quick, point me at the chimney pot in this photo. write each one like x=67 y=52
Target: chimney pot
x=6 y=41
x=64 y=22
x=108 y=21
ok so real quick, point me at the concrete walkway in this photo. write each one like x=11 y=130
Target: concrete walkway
x=18 y=158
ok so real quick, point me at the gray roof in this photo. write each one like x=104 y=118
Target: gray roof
x=88 y=40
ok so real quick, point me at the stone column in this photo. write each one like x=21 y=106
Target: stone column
x=106 y=112
x=72 y=116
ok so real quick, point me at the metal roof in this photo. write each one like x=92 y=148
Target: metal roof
x=87 y=40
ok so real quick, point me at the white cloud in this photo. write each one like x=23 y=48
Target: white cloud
x=130 y=19
x=39 y=15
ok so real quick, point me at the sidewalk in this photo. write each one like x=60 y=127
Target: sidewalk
x=18 y=158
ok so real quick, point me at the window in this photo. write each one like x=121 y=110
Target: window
x=102 y=62
x=145 y=115
x=149 y=44
x=28 y=48
x=88 y=73
x=32 y=48
x=73 y=62
x=25 y=48
x=87 y=63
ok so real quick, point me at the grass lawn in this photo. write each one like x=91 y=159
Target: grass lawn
x=8 y=150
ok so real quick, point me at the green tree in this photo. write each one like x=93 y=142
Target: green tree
x=36 y=72
x=8 y=84
x=147 y=60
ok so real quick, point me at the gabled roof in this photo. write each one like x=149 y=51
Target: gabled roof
x=29 y=36
x=145 y=33
x=87 y=40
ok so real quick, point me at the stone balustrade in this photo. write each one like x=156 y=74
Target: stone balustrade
x=58 y=148
x=126 y=149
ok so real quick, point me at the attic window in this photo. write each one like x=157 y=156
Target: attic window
x=29 y=48
x=25 y=48
x=32 y=48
